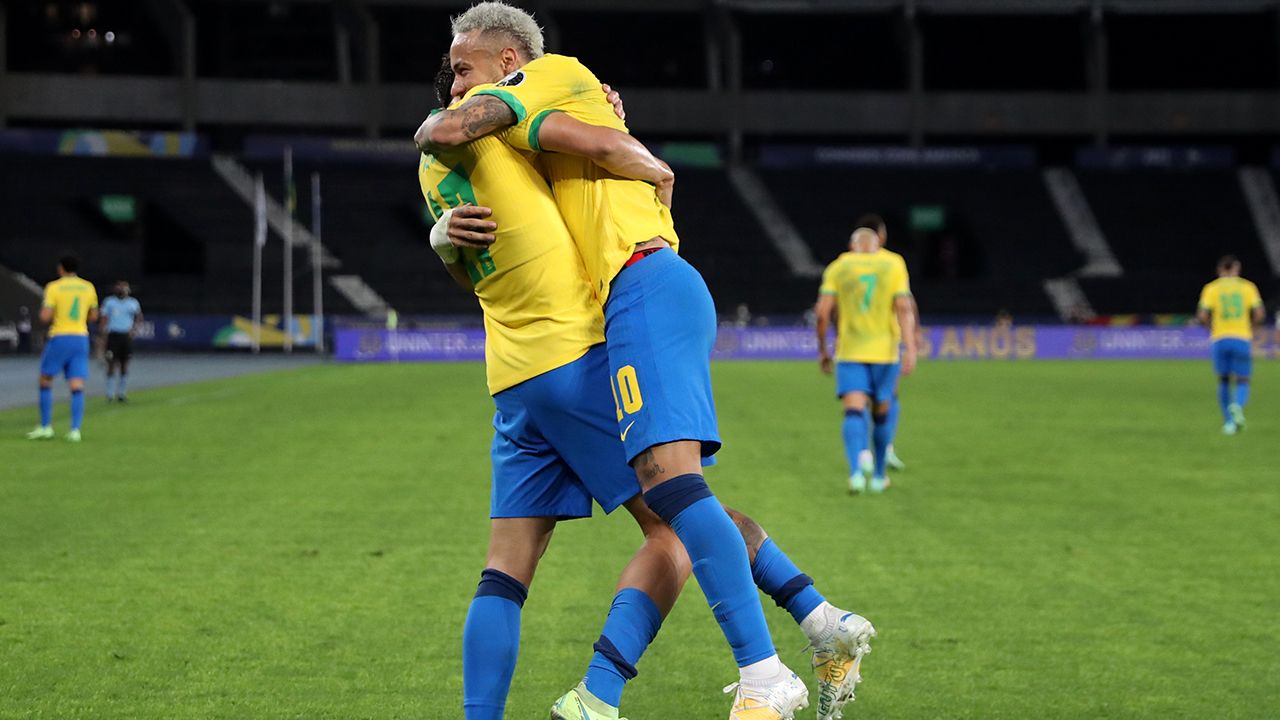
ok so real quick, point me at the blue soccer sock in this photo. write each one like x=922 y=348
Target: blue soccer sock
x=46 y=407
x=881 y=436
x=781 y=580
x=490 y=645
x=77 y=408
x=124 y=379
x=1242 y=391
x=111 y=384
x=1224 y=397
x=855 y=437
x=719 y=562
x=893 y=418
x=632 y=624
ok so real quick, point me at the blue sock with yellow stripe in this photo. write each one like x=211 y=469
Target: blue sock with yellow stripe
x=632 y=624
x=491 y=644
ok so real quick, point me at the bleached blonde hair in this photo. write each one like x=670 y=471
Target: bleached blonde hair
x=499 y=17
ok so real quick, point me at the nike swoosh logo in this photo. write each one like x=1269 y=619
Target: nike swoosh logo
x=627 y=430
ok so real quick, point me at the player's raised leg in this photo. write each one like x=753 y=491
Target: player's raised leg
x=839 y=639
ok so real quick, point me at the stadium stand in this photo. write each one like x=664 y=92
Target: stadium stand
x=1168 y=228
x=182 y=237
x=999 y=239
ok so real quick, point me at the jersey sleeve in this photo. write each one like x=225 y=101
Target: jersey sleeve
x=532 y=92
x=108 y=306
x=1206 y=299
x=93 y=298
x=1253 y=298
x=900 y=280
x=47 y=300
x=829 y=284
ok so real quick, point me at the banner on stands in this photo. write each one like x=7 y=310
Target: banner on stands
x=1010 y=157
x=951 y=342
x=1155 y=157
x=203 y=332
x=104 y=143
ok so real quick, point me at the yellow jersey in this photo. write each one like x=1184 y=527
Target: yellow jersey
x=865 y=286
x=539 y=311
x=897 y=330
x=71 y=298
x=1230 y=302
x=606 y=215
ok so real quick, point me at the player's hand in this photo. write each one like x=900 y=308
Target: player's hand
x=615 y=100
x=824 y=362
x=908 y=362
x=468 y=227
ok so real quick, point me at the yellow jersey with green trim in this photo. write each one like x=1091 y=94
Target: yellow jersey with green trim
x=865 y=286
x=71 y=298
x=539 y=311
x=1230 y=302
x=606 y=215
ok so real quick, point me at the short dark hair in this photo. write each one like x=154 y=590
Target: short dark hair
x=69 y=262
x=444 y=82
x=871 y=221
x=1226 y=262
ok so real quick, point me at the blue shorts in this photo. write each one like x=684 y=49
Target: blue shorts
x=1233 y=356
x=66 y=354
x=878 y=380
x=555 y=444
x=660 y=327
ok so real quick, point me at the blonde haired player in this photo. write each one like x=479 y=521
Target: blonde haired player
x=873 y=294
x=1231 y=306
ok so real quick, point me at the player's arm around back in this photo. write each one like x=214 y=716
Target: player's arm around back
x=613 y=150
x=475 y=118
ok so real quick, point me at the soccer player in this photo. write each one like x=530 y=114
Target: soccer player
x=1231 y=306
x=70 y=304
x=872 y=291
x=871 y=220
x=121 y=314
x=660 y=327
x=555 y=449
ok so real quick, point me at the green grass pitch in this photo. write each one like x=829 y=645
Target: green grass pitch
x=1070 y=540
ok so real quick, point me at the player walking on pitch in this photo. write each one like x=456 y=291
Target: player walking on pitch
x=70 y=304
x=1231 y=306
x=873 y=293
x=866 y=462
x=121 y=314
x=658 y=314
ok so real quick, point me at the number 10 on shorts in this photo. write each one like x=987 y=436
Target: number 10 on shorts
x=626 y=391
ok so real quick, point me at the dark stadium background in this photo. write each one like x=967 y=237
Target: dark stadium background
x=992 y=134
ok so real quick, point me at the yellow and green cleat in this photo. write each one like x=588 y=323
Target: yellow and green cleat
x=580 y=704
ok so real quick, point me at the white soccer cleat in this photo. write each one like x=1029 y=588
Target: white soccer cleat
x=778 y=701
x=837 y=658
x=44 y=432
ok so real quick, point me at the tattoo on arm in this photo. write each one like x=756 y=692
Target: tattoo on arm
x=646 y=467
x=483 y=114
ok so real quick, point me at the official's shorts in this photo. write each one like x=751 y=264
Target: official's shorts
x=1233 y=356
x=66 y=354
x=119 y=346
x=660 y=328
x=555 y=444
x=878 y=380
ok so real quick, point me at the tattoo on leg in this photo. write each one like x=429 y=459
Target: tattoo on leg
x=752 y=534
x=647 y=467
